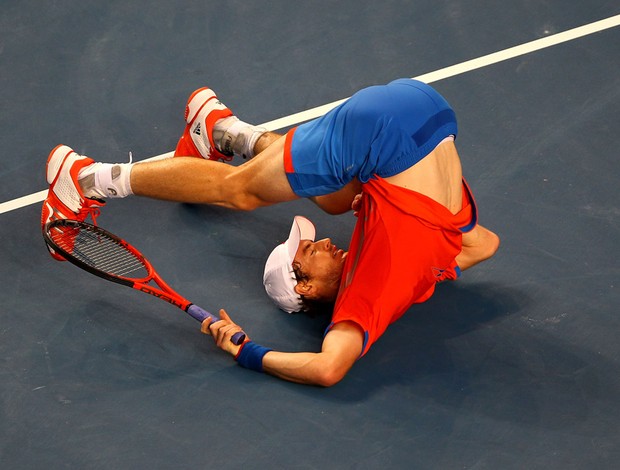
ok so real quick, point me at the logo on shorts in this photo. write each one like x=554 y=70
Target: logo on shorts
x=197 y=129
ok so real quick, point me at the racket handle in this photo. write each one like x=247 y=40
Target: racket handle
x=201 y=314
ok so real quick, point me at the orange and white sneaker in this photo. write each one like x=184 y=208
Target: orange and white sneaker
x=203 y=110
x=65 y=199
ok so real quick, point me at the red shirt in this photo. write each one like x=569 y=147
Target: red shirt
x=403 y=244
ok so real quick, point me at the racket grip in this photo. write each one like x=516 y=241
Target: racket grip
x=201 y=314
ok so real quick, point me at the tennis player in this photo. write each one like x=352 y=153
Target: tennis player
x=388 y=152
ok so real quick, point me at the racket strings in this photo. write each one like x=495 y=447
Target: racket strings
x=100 y=251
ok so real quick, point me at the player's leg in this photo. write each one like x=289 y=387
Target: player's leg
x=264 y=141
x=212 y=133
x=258 y=182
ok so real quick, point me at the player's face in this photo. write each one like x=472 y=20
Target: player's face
x=319 y=266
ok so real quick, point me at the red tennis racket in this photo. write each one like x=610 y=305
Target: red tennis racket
x=105 y=255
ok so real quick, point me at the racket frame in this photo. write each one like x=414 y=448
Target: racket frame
x=164 y=292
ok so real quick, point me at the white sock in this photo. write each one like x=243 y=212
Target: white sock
x=232 y=135
x=101 y=180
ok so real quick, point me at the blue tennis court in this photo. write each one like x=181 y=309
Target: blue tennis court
x=514 y=366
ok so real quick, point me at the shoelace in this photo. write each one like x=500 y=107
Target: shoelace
x=94 y=212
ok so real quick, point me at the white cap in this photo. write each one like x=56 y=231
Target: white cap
x=279 y=279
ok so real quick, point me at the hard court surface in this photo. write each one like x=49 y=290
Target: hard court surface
x=514 y=366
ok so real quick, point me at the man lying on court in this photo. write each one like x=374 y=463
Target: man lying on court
x=387 y=152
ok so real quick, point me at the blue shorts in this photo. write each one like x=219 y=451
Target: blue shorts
x=381 y=130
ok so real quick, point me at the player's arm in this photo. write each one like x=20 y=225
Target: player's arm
x=341 y=347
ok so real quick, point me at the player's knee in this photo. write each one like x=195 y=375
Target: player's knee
x=235 y=195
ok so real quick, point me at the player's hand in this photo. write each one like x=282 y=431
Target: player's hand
x=356 y=205
x=222 y=332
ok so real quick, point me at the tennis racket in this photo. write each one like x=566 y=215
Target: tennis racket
x=105 y=255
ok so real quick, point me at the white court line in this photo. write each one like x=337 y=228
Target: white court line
x=437 y=75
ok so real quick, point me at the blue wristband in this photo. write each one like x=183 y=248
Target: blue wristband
x=251 y=356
